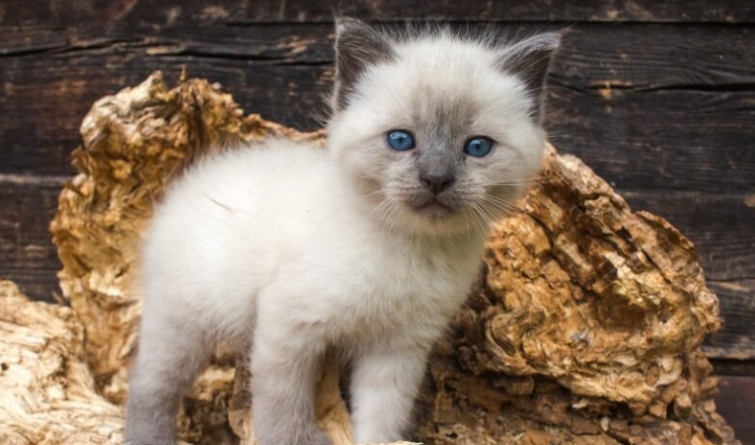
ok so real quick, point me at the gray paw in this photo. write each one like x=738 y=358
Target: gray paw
x=314 y=436
x=149 y=442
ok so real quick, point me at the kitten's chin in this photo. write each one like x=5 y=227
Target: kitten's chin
x=431 y=217
x=434 y=210
x=436 y=218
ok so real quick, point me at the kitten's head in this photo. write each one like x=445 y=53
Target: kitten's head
x=441 y=133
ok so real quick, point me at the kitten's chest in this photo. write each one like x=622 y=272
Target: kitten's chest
x=400 y=291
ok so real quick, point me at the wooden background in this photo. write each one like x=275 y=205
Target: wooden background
x=658 y=97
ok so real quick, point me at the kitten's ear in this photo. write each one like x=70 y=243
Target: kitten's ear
x=358 y=46
x=529 y=59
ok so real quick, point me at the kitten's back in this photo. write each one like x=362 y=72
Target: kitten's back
x=237 y=215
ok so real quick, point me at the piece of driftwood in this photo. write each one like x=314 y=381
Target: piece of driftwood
x=585 y=327
x=47 y=395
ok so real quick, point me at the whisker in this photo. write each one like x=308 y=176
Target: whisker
x=477 y=214
x=492 y=209
x=521 y=182
x=509 y=204
x=464 y=213
x=501 y=206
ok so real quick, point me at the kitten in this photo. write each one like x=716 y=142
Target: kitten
x=285 y=250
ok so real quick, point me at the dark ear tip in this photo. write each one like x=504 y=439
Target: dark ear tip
x=346 y=23
x=547 y=41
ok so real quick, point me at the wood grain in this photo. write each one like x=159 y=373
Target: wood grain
x=27 y=256
x=241 y=12
x=627 y=91
x=736 y=403
x=736 y=340
x=43 y=110
x=720 y=224
x=682 y=140
x=653 y=56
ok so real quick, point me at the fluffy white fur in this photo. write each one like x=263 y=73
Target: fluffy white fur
x=285 y=250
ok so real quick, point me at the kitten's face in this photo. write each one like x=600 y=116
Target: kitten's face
x=437 y=137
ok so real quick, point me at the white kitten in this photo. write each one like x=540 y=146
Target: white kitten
x=285 y=250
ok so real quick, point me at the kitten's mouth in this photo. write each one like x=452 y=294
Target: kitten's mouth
x=434 y=209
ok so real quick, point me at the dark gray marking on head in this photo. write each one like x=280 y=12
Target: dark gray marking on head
x=530 y=59
x=436 y=169
x=440 y=154
x=358 y=45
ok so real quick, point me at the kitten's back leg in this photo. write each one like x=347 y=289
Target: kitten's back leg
x=170 y=357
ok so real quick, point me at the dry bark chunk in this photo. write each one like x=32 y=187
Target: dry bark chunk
x=47 y=395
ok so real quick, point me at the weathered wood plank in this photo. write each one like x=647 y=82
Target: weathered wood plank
x=734 y=367
x=241 y=12
x=27 y=256
x=736 y=403
x=42 y=111
x=737 y=338
x=663 y=139
x=625 y=55
x=651 y=56
x=603 y=93
x=722 y=225
x=631 y=138
x=509 y=10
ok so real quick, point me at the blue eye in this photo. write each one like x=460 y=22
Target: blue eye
x=478 y=147
x=400 y=140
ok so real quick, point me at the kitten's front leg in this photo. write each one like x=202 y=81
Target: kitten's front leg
x=383 y=389
x=284 y=370
x=170 y=357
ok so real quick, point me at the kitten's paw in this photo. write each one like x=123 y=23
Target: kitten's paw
x=305 y=435
x=149 y=442
x=142 y=434
x=314 y=436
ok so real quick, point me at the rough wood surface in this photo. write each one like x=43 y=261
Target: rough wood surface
x=240 y=12
x=27 y=205
x=47 y=395
x=585 y=328
x=741 y=390
x=676 y=74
